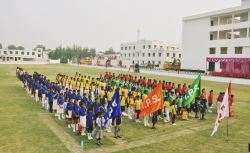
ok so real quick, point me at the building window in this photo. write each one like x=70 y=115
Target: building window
x=148 y=54
x=138 y=54
x=225 y=34
x=125 y=55
x=33 y=53
x=153 y=62
x=179 y=55
x=212 y=50
x=155 y=46
x=0 y=57
x=129 y=55
x=11 y=57
x=39 y=55
x=28 y=53
x=4 y=52
x=213 y=35
x=121 y=48
x=126 y=48
x=19 y=58
x=143 y=54
x=238 y=50
x=149 y=46
x=143 y=46
x=220 y=65
x=16 y=52
x=148 y=61
x=134 y=47
x=129 y=48
x=153 y=54
x=159 y=62
x=173 y=54
x=167 y=54
x=160 y=47
x=39 y=50
x=22 y=53
x=159 y=54
x=223 y=50
x=214 y=21
x=121 y=55
x=10 y=52
x=142 y=62
x=240 y=33
x=133 y=62
x=227 y=19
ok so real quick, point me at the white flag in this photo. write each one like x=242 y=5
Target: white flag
x=224 y=111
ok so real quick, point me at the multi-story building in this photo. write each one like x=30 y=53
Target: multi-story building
x=211 y=41
x=150 y=51
x=13 y=55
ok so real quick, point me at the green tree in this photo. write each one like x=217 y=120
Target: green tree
x=70 y=54
x=52 y=55
x=20 y=48
x=120 y=62
x=176 y=61
x=11 y=47
x=110 y=51
x=41 y=46
x=1 y=46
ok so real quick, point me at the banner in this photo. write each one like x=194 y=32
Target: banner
x=193 y=91
x=114 y=108
x=224 y=108
x=153 y=102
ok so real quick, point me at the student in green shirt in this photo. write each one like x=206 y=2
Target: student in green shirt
x=179 y=104
x=141 y=87
x=164 y=92
x=129 y=85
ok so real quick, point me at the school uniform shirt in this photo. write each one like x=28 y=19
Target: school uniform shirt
x=51 y=94
x=78 y=97
x=61 y=101
x=144 y=96
x=174 y=108
x=110 y=95
x=114 y=88
x=59 y=90
x=92 y=88
x=203 y=95
x=45 y=82
x=137 y=104
x=73 y=96
x=171 y=98
x=48 y=85
x=78 y=84
x=166 y=104
x=76 y=110
x=56 y=88
x=70 y=106
x=41 y=80
x=96 y=106
x=130 y=86
x=74 y=85
x=97 y=90
x=123 y=100
x=83 y=111
x=131 y=103
x=90 y=118
x=40 y=88
x=69 y=95
x=84 y=100
x=72 y=82
x=179 y=102
x=103 y=109
x=89 y=103
x=100 y=122
x=102 y=94
x=87 y=86
x=126 y=92
x=67 y=81
x=82 y=85
x=210 y=99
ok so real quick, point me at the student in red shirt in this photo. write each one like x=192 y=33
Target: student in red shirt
x=183 y=91
x=155 y=83
x=169 y=87
x=203 y=94
x=210 y=101
x=106 y=75
x=219 y=101
x=185 y=86
x=178 y=90
x=135 y=79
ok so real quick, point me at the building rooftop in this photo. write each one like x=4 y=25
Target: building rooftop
x=220 y=12
x=150 y=41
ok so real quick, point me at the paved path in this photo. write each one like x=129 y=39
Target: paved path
x=189 y=76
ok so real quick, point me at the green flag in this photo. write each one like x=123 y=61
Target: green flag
x=193 y=92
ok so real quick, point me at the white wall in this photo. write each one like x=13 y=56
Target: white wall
x=54 y=61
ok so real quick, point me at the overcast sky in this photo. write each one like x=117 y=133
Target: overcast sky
x=97 y=23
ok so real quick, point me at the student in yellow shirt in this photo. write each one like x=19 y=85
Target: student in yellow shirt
x=145 y=120
x=74 y=84
x=174 y=112
x=130 y=106
x=114 y=87
x=137 y=107
x=125 y=90
x=86 y=88
x=64 y=81
x=92 y=89
x=110 y=95
x=71 y=83
x=78 y=84
x=76 y=76
x=102 y=94
x=120 y=91
x=166 y=109
x=123 y=101
x=67 y=82
x=89 y=80
x=84 y=79
x=59 y=79
x=81 y=87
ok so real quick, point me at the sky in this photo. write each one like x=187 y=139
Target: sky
x=99 y=24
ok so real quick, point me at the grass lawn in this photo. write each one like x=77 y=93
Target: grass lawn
x=23 y=130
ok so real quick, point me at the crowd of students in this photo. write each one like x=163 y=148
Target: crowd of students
x=82 y=99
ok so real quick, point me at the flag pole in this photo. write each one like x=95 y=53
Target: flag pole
x=227 y=128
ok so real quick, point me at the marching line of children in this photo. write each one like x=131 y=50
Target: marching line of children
x=79 y=108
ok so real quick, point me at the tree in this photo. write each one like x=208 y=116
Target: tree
x=41 y=46
x=110 y=51
x=120 y=62
x=20 y=48
x=70 y=54
x=11 y=47
x=176 y=61
x=1 y=46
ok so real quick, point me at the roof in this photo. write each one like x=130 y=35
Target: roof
x=218 y=12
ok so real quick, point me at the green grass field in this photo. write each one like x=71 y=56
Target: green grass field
x=23 y=127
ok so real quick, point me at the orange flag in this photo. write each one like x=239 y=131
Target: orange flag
x=153 y=102
x=129 y=69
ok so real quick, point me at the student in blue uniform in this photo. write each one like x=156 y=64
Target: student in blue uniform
x=96 y=107
x=40 y=92
x=55 y=97
x=60 y=106
x=89 y=102
x=85 y=99
x=44 y=92
x=76 y=114
x=73 y=96
x=103 y=108
x=70 y=107
x=78 y=96
x=90 y=117
x=83 y=112
x=50 y=96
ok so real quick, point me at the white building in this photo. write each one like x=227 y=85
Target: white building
x=111 y=55
x=13 y=55
x=218 y=35
x=150 y=51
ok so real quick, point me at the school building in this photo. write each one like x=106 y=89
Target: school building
x=218 y=41
x=13 y=55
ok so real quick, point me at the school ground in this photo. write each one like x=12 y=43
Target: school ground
x=27 y=127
